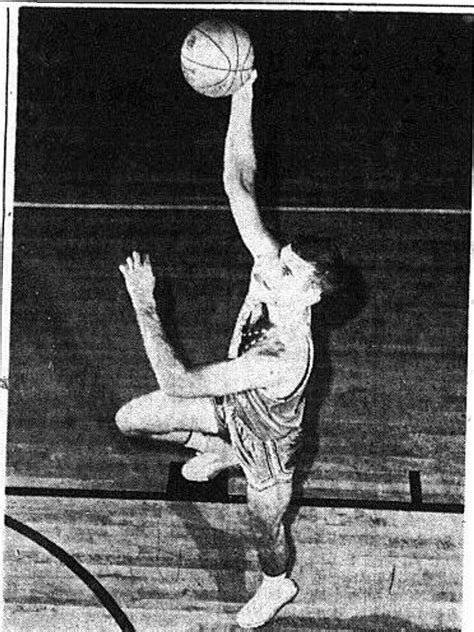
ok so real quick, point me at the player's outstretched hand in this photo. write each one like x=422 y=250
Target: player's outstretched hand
x=247 y=86
x=253 y=76
x=139 y=279
x=245 y=93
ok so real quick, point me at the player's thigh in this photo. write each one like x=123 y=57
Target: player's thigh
x=158 y=413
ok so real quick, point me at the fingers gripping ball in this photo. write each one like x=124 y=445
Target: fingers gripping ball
x=217 y=58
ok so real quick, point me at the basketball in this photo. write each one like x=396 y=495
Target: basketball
x=217 y=58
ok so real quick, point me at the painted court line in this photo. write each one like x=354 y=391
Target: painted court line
x=237 y=499
x=104 y=597
x=224 y=207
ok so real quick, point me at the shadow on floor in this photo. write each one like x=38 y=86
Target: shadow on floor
x=370 y=623
x=228 y=569
x=331 y=314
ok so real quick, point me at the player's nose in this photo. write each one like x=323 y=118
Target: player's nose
x=311 y=284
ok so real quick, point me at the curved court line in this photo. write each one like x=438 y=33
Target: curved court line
x=91 y=582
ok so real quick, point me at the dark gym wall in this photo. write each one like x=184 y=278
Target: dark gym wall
x=378 y=115
x=352 y=109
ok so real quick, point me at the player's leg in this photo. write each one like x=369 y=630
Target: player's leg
x=157 y=414
x=267 y=508
x=192 y=422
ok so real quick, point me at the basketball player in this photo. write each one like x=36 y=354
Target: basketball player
x=246 y=410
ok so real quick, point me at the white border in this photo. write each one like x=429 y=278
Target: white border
x=8 y=75
x=9 y=26
x=422 y=6
x=7 y=124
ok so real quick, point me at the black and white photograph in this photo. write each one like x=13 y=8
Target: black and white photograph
x=235 y=301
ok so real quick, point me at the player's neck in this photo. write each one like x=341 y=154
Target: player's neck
x=289 y=315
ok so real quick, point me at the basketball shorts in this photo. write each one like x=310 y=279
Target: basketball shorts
x=265 y=462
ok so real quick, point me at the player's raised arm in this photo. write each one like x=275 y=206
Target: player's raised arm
x=239 y=175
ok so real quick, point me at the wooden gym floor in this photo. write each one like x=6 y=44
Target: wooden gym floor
x=186 y=566
x=378 y=515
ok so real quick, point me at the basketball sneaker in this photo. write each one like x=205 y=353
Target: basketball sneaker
x=270 y=597
x=204 y=467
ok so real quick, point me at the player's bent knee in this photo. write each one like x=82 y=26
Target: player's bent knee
x=124 y=420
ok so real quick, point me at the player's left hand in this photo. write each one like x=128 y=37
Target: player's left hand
x=139 y=279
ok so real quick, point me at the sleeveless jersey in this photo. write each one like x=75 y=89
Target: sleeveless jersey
x=267 y=416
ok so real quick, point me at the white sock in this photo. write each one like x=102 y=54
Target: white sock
x=272 y=579
x=197 y=441
x=210 y=443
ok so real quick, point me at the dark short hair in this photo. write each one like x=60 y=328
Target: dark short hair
x=325 y=256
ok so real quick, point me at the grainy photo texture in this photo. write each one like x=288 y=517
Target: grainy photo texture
x=239 y=301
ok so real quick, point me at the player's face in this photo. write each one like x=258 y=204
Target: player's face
x=299 y=284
